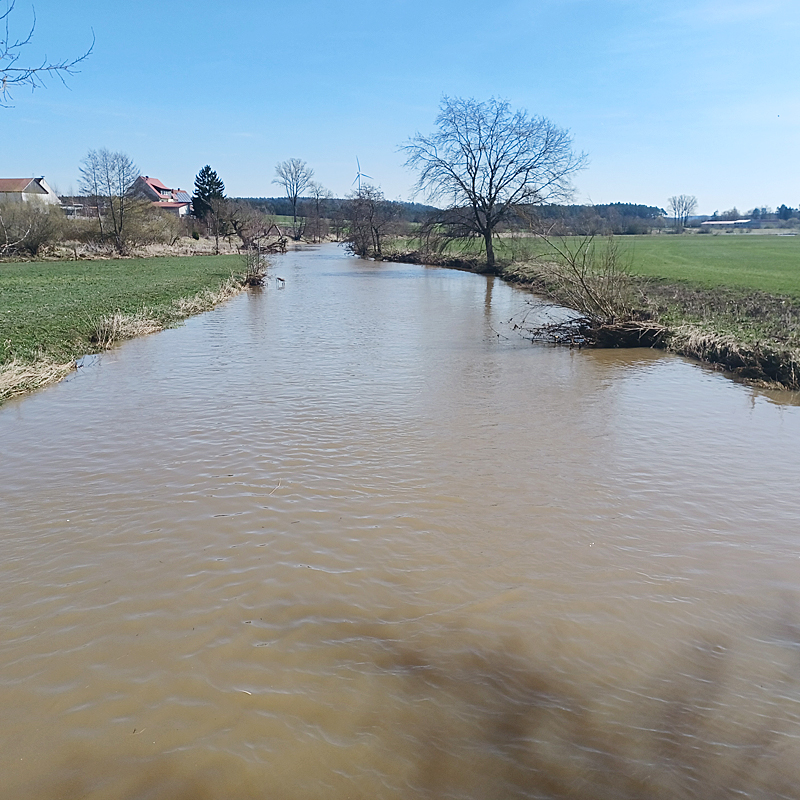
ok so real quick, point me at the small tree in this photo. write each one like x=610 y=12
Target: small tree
x=369 y=219
x=107 y=178
x=682 y=207
x=217 y=219
x=250 y=224
x=490 y=162
x=295 y=176
x=13 y=74
x=148 y=225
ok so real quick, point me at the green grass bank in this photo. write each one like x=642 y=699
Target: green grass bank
x=52 y=313
x=749 y=262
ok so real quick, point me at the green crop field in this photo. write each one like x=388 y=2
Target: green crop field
x=50 y=309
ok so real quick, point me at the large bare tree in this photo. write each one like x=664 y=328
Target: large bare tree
x=488 y=162
x=682 y=207
x=13 y=73
x=107 y=178
x=295 y=176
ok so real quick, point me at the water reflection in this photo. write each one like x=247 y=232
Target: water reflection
x=342 y=540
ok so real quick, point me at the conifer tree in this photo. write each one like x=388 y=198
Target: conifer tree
x=208 y=186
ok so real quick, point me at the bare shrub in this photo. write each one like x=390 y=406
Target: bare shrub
x=589 y=279
x=26 y=228
x=595 y=283
x=256 y=265
x=150 y=225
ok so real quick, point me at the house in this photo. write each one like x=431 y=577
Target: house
x=176 y=201
x=26 y=190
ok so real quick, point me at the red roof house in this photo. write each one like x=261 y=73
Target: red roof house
x=176 y=201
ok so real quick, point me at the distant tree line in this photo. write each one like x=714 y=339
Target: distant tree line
x=408 y=212
x=602 y=219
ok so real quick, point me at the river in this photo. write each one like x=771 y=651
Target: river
x=354 y=538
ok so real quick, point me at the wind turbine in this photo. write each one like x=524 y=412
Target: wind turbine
x=360 y=175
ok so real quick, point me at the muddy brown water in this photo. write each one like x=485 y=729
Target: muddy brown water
x=354 y=539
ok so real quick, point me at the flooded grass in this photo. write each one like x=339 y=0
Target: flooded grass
x=52 y=313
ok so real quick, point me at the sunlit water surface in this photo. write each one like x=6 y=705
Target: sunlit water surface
x=353 y=538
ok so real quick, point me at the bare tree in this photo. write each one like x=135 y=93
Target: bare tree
x=14 y=74
x=217 y=218
x=370 y=216
x=319 y=194
x=248 y=223
x=488 y=161
x=107 y=179
x=295 y=176
x=682 y=207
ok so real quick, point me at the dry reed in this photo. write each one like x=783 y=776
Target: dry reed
x=208 y=298
x=118 y=327
x=757 y=362
x=17 y=377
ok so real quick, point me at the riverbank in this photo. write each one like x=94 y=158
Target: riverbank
x=717 y=317
x=753 y=335
x=53 y=313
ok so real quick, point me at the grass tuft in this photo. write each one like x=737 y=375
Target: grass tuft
x=206 y=299
x=118 y=327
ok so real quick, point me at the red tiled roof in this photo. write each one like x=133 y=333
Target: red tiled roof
x=156 y=183
x=14 y=184
x=169 y=204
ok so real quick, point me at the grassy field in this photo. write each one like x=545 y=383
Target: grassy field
x=53 y=312
x=758 y=262
x=764 y=263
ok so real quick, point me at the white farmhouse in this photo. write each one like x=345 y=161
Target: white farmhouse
x=26 y=190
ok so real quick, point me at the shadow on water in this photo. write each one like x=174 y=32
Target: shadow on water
x=453 y=718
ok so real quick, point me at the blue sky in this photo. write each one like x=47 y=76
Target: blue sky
x=684 y=97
